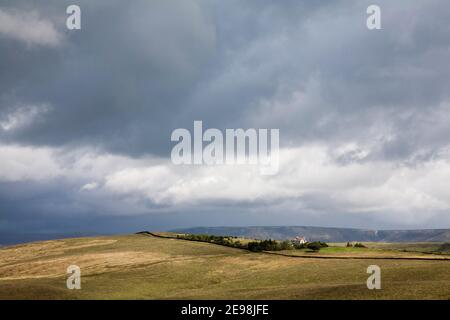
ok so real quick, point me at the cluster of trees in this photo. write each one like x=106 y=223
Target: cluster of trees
x=225 y=241
x=316 y=245
x=256 y=245
x=272 y=245
x=269 y=245
x=356 y=245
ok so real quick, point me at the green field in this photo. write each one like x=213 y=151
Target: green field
x=146 y=267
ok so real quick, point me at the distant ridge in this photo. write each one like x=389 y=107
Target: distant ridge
x=326 y=233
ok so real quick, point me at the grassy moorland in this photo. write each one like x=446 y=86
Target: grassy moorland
x=147 y=267
x=380 y=251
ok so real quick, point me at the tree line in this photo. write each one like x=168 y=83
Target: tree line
x=255 y=245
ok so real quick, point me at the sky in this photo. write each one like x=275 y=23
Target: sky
x=86 y=115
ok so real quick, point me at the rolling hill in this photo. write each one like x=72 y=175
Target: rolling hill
x=142 y=266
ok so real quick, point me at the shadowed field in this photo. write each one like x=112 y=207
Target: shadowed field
x=146 y=267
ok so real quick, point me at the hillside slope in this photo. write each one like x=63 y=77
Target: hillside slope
x=146 y=267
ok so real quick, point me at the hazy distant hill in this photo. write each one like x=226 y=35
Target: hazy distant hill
x=327 y=234
x=16 y=238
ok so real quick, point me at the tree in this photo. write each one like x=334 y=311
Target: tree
x=286 y=245
x=314 y=246
x=254 y=246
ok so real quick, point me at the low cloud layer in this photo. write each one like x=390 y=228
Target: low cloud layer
x=312 y=179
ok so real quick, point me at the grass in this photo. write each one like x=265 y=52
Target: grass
x=388 y=251
x=146 y=267
x=423 y=247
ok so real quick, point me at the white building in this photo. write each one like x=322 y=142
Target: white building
x=299 y=240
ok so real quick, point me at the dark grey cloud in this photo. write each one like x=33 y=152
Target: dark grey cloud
x=117 y=82
x=138 y=70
